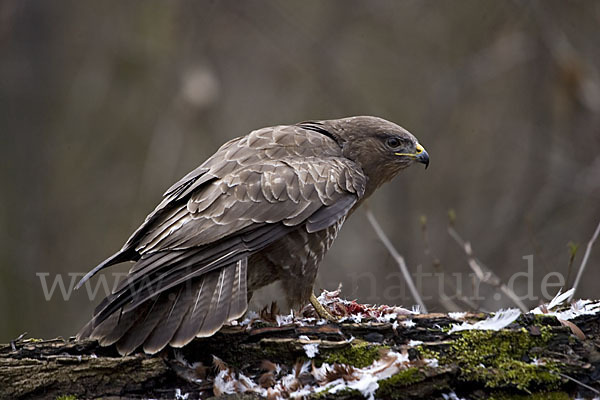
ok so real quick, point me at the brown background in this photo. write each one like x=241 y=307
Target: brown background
x=104 y=104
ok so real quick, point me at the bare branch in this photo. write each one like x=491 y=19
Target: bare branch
x=588 y=387
x=588 y=250
x=485 y=274
x=447 y=302
x=398 y=258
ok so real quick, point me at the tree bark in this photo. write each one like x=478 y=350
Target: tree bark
x=535 y=354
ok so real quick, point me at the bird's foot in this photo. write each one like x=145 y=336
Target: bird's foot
x=321 y=311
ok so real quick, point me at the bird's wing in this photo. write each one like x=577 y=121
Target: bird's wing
x=232 y=218
x=252 y=192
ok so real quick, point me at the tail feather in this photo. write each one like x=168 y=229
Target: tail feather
x=140 y=331
x=114 y=327
x=196 y=308
x=199 y=305
x=219 y=305
x=164 y=331
x=239 y=297
x=86 y=331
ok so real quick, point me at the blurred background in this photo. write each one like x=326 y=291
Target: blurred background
x=105 y=104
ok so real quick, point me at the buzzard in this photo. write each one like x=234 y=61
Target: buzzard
x=265 y=207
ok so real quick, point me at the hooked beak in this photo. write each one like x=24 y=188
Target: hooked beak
x=421 y=155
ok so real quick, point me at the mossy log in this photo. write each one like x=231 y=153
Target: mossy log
x=534 y=356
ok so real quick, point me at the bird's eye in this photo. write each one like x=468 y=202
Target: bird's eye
x=393 y=142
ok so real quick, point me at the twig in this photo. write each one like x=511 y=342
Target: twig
x=578 y=382
x=572 y=254
x=485 y=274
x=448 y=303
x=398 y=258
x=588 y=250
x=15 y=341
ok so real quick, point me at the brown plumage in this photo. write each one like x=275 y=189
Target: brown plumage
x=265 y=207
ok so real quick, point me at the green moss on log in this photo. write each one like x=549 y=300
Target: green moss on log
x=389 y=388
x=359 y=354
x=500 y=359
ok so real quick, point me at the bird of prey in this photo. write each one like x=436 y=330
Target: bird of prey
x=265 y=207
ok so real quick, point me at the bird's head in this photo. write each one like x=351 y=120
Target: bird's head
x=381 y=148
